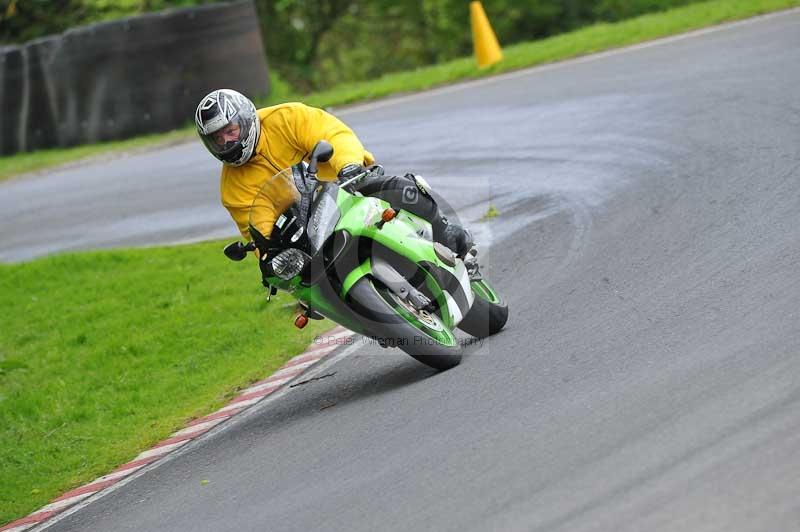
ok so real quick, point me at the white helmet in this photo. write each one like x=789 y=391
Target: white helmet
x=222 y=108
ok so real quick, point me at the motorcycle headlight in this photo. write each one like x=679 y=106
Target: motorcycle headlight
x=289 y=263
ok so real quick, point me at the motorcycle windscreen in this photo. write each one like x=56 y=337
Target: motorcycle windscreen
x=323 y=217
x=274 y=199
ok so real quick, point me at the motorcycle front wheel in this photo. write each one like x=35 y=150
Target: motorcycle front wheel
x=397 y=324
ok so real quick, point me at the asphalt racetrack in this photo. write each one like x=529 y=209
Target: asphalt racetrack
x=648 y=243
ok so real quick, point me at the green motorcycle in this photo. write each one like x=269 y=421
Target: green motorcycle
x=355 y=260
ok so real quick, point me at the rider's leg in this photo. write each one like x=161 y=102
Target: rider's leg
x=412 y=195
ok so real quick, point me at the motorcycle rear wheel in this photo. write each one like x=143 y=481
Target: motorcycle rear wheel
x=488 y=314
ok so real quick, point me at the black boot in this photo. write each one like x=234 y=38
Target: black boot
x=453 y=236
x=405 y=193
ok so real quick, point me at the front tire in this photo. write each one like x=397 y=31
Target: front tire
x=419 y=334
x=488 y=314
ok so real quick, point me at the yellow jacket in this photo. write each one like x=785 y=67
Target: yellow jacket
x=288 y=133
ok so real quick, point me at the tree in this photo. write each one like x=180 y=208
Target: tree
x=292 y=31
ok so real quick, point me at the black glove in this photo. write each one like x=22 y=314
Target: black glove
x=260 y=241
x=351 y=170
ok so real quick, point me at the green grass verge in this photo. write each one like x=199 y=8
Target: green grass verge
x=103 y=354
x=591 y=39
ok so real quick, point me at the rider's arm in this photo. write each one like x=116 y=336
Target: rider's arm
x=312 y=124
x=238 y=186
x=263 y=223
x=235 y=198
x=240 y=216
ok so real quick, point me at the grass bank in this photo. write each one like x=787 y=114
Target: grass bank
x=103 y=354
x=590 y=39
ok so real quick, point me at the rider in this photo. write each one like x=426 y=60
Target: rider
x=254 y=144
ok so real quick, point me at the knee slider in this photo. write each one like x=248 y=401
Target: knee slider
x=422 y=185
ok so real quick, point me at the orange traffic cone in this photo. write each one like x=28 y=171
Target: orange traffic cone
x=487 y=49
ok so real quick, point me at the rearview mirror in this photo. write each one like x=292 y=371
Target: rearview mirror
x=322 y=153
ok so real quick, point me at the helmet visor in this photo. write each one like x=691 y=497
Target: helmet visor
x=226 y=143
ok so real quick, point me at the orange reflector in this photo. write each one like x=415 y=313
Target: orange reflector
x=301 y=321
x=388 y=215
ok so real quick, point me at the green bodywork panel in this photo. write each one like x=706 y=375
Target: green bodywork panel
x=359 y=217
x=355 y=275
x=483 y=290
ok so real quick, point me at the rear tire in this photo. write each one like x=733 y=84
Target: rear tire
x=488 y=314
x=422 y=336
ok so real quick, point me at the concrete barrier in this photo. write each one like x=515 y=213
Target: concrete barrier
x=128 y=77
